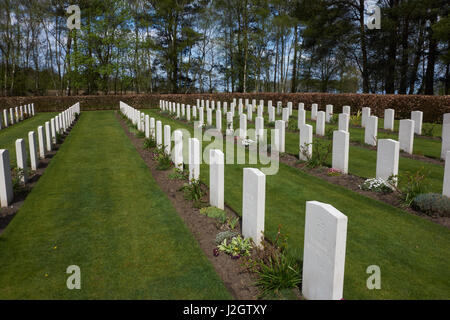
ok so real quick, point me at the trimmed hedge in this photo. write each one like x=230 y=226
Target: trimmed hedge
x=433 y=107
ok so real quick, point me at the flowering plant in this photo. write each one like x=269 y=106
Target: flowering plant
x=377 y=185
x=247 y=142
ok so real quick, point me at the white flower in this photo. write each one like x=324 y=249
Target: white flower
x=247 y=142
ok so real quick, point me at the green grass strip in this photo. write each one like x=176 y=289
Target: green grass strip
x=98 y=207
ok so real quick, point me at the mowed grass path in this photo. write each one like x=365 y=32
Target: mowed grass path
x=8 y=136
x=98 y=207
x=413 y=253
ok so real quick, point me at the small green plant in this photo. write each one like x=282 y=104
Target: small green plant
x=178 y=174
x=77 y=116
x=228 y=234
x=17 y=175
x=428 y=129
x=163 y=159
x=232 y=222
x=193 y=191
x=334 y=119
x=216 y=213
x=149 y=143
x=432 y=204
x=329 y=133
x=139 y=134
x=271 y=124
x=276 y=271
x=237 y=247
x=278 y=274
x=412 y=184
x=355 y=120
x=292 y=125
x=320 y=153
x=59 y=138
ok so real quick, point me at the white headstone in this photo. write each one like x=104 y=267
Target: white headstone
x=314 y=110
x=417 y=117
x=260 y=111
x=446 y=185
x=346 y=110
x=243 y=126
x=209 y=116
x=201 y=115
x=285 y=116
x=445 y=139
x=33 y=150
x=216 y=178
x=219 y=119
x=250 y=112
x=387 y=158
x=370 y=132
x=271 y=111
x=279 y=107
x=406 y=135
x=306 y=140
x=320 y=123
x=41 y=138
x=289 y=105
x=48 y=137
x=167 y=139
x=5 y=117
x=324 y=252
x=159 y=139
x=152 y=128
x=188 y=113
x=147 y=126
x=329 y=112
x=280 y=128
x=21 y=158
x=194 y=159
x=365 y=114
x=253 y=204
x=343 y=122
x=340 y=150
x=301 y=118
x=53 y=130
x=178 y=149
x=6 y=188
x=389 y=119
x=259 y=127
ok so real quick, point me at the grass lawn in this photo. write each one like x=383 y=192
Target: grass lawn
x=8 y=136
x=413 y=253
x=98 y=207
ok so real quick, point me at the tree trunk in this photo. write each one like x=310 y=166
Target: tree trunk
x=431 y=60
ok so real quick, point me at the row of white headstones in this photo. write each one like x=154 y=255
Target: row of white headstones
x=325 y=226
x=388 y=150
x=47 y=140
x=16 y=115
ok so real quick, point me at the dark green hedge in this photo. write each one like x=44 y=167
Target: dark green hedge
x=433 y=107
